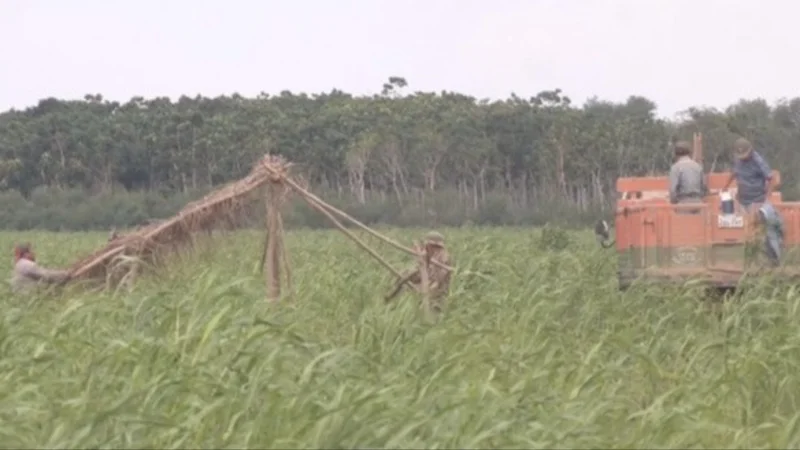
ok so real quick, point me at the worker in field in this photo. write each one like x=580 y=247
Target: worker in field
x=438 y=277
x=687 y=183
x=28 y=274
x=752 y=175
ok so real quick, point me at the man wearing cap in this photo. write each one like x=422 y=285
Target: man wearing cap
x=28 y=274
x=438 y=277
x=687 y=182
x=752 y=175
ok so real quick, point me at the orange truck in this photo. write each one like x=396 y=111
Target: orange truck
x=659 y=241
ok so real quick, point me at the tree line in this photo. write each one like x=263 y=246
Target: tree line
x=398 y=157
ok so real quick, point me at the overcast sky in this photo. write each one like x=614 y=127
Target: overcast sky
x=675 y=52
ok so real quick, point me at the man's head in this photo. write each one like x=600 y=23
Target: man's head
x=742 y=148
x=434 y=240
x=23 y=251
x=682 y=148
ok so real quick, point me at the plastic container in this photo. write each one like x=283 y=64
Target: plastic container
x=726 y=203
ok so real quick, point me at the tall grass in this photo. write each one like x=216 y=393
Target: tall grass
x=537 y=349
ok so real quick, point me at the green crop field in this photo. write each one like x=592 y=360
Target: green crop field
x=536 y=349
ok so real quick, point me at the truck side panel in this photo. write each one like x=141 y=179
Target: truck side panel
x=658 y=240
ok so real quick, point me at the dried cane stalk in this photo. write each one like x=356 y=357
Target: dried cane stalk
x=282 y=251
x=273 y=274
x=287 y=268
x=313 y=198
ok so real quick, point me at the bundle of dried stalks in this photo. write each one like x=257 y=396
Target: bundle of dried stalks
x=222 y=208
x=274 y=251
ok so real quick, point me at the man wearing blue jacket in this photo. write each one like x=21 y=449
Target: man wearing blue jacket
x=752 y=175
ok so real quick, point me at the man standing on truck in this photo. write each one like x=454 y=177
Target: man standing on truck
x=687 y=182
x=752 y=175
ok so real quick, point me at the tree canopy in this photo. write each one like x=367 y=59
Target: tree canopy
x=399 y=144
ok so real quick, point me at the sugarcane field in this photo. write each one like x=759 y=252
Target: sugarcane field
x=399 y=225
x=536 y=348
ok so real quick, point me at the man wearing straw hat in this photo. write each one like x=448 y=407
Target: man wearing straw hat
x=752 y=175
x=28 y=274
x=438 y=277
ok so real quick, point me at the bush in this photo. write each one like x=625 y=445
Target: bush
x=553 y=238
x=75 y=210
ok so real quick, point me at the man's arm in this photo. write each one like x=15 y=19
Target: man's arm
x=35 y=272
x=411 y=277
x=766 y=171
x=732 y=176
x=674 y=183
x=728 y=183
x=54 y=276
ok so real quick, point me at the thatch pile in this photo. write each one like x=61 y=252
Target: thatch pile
x=222 y=208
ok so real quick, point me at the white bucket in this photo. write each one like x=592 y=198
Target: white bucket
x=727 y=202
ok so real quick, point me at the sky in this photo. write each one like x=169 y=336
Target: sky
x=678 y=53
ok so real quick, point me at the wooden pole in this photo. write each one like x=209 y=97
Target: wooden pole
x=311 y=202
x=274 y=244
x=423 y=259
x=698 y=148
x=314 y=200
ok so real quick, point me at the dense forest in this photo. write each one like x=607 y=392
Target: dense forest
x=401 y=157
